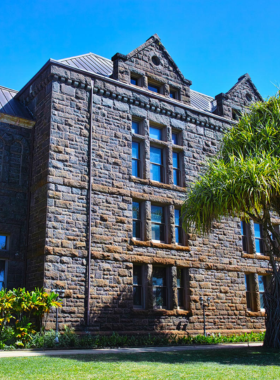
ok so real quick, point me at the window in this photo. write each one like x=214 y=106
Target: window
x=156 y=164
x=3 y=242
x=175 y=138
x=133 y=81
x=158 y=223
x=137 y=286
x=135 y=159
x=176 y=170
x=172 y=94
x=135 y=127
x=245 y=236
x=136 y=217
x=178 y=227
x=258 y=237
x=236 y=114
x=155 y=133
x=180 y=287
x=249 y=294
x=262 y=287
x=2 y=274
x=159 y=287
x=153 y=88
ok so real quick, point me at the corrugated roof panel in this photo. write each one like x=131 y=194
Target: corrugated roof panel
x=11 y=106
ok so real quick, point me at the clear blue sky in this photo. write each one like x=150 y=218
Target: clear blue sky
x=213 y=42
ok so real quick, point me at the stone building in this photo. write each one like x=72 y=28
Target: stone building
x=95 y=159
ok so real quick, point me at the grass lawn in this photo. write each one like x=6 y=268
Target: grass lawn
x=242 y=363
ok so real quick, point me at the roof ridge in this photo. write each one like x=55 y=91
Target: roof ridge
x=83 y=55
x=7 y=88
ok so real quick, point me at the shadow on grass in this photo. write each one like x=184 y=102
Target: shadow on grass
x=238 y=356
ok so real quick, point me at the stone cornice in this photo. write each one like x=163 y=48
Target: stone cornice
x=15 y=120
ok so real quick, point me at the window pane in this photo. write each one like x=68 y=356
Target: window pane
x=177 y=217
x=153 y=88
x=262 y=300
x=133 y=81
x=136 y=229
x=247 y=282
x=3 y=242
x=137 y=275
x=159 y=276
x=258 y=245
x=178 y=235
x=257 y=228
x=175 y=177
x=135 y=150
x=261 y=283
x=160 y=296
x=135 y=210
x=137 y=295
x=244 y=243
x=243 y=229
x=157 y=232
x=174 y=138
x=175 y=160
x=135 y=168
x=157 y=214
x=135 y=127
x=155 y=133
x=156 y=155
x=2 y=274
x=179 y=278
x=155 y=173
x=180 y=297
x=172 y=95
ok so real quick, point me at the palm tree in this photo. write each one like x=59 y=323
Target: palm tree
x=243 y=180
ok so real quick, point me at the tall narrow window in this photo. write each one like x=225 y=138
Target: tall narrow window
x=2 y=274
x=178 y=227
x=175 y=138
x=176 y=169
x=249 y=294
x=156 y=164
x=155 y=133
x=244 y=233
x=135 y=159
x=180 y=287
x=258 y=237
x=262 y=287
x=158 y=223
x=159 y=287
x=3 y=242
x=136 y=215
x=137 y=286
x=135 y=127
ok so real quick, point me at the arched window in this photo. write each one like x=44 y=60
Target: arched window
x=15 y=163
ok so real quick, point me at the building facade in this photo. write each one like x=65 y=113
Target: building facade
x=95 y=159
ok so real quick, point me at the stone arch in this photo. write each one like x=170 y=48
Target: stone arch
x=16 y=153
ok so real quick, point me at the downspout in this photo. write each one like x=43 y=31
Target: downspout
x=89 y=204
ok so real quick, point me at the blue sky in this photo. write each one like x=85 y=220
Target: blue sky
x=213 y=42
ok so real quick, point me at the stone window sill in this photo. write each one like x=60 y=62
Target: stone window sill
x=254 y=256
x=159 y=245
x=162 y=312
x=157 y=184
x=255 y=313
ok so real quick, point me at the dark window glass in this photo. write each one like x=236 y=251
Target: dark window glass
x=248 y=291
x=2 y=274
x=135 y=159
x=175 y=138
x=137 y=285
x=244 y=233
x=153 y=88
x=159 y=287
x=258 y=237
x=136 y=216
x=133 y=81
x=3 y=242
x=135 y=127
x=178 y=228
x=157 y=214
x=172 y=94
x=180 y=287
x=176 y=171
x=156 y=167
x=155 y=133
x=262 y=286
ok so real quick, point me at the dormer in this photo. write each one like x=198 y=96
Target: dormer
x=150 y=66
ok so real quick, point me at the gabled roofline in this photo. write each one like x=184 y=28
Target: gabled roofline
x=7 y=88
x=243 y=78
x=82 y=55
x=151 y=40
x=121 y=84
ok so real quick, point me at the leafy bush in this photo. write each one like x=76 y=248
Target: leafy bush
x=18 y=309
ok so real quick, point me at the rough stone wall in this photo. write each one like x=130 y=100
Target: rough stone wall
x=15 y=145
x=216 y=264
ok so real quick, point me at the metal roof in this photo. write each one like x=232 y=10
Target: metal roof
x=99 y=65
x=11 y=106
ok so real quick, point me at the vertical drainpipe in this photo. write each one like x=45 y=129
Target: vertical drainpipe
x=89 y=204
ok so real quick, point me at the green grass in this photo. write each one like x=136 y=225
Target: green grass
x=244 y=363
